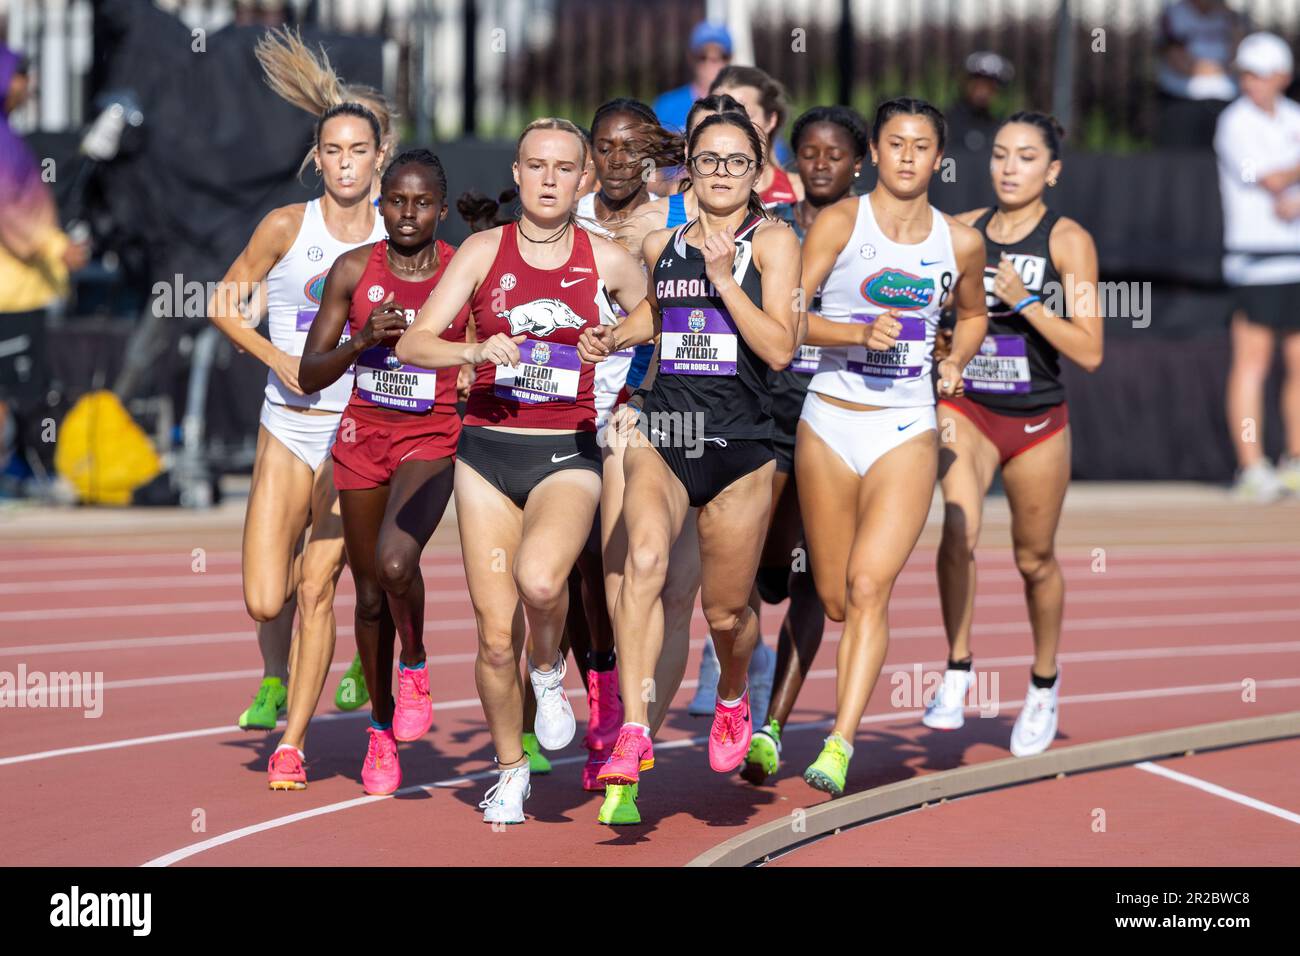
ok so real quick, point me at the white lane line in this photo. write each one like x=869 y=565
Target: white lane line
x=1218 y=791
x=181 y=558
x=1069 y=657
x=232 y=836
x=205 y=579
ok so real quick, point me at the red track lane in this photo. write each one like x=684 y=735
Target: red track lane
x=131 y=804
x=1149 y=820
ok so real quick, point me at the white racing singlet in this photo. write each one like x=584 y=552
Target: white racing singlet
x=872 y=275
x=293 y=292
x=611 y=374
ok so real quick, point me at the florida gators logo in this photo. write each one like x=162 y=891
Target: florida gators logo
x=896 y=289
x=315 y=287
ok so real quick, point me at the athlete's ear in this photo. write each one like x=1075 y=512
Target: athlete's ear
x=514 y=171
x=443 y=215
x=1053 y=172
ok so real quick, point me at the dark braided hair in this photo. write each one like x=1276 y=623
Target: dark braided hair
x=909 y=106
x=416 y=157
x=483 y=213
x=847 y=119
x=1046 y=124
x=622 y=104
x=741 y=122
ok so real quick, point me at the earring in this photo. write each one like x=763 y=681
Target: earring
x=1051 y=182
x=857 y=173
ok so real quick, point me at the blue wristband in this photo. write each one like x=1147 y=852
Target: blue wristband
x=1026 y=301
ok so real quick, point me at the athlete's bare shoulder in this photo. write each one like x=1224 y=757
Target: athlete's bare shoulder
x=278 y=229
x=480 y=248
x=775 y=236
x=654 y=243
x=966 y=240
x=971 y=216
x=1069 y=242
x=354 y=260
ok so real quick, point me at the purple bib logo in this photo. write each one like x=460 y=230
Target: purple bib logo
x=695 y=321
x=988 y=347
x=541 y=353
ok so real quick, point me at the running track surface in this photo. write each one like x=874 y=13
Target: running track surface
x=1180 y=605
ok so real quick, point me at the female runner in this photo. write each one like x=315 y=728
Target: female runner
x=529 y=481
x=764 y=100
x=396 y=445
x=1014 y=415
x=886 y=264
x=830 y=144
x=723 y=295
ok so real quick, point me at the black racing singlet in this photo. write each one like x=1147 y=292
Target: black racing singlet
x=1017 y=371
x=705 y=365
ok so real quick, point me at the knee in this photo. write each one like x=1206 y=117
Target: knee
x=867 y=594
x=961 y=533
x=495 y=650
x=370 y=602
x=647 y=563
x=263 y=606
x=315 y=595
x=398 y=571
x=1035 y=564
x=725 y=620
x=540 y=587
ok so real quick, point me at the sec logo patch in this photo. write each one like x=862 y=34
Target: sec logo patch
x=375 y=293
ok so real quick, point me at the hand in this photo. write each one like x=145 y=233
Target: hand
x=464 y=382
x=1287 y=205
x=384 y=326
x=950 y=380
x=719 y=256
x=1007 y=285
x=76 y=255
x=882 y=334
x=596 y=343
x=500 y=349
x=942 y=345
x=286 y=367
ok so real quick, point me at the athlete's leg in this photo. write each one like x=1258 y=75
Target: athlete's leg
x=654 y=509
x=1252 y=357
x=279 y=505
x=732 y=529
x=892 y=503
x=490 y=529
x=967 y=464
x=1291 y=393
x=826 y=485
x=1035 y=482
x=322 y=562
x=363 y=513
x=417 y=497
x=680 y=588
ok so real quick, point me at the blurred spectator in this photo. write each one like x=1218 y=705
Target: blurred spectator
x=1258 y=147
x=1197 y=40
x=971 y=122
x=35 y=258
x=710 y=52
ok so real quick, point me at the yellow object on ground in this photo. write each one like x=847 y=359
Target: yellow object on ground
x=103 y=452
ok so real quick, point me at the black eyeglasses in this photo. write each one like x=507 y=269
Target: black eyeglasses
x=737 y=164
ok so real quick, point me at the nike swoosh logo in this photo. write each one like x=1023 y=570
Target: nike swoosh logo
x=903 y=428
x=565 y=283
x=934 y=262
x=1030 y=429
x=556 y=461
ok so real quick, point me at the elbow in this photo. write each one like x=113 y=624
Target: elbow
x=307 y=381
x=1091 y=362
x=778 y=361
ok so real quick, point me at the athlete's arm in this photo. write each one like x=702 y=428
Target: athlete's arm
x=969 y=305
x=822 y=245
x=632 y=233
x=324 y=359
x=423 y=344
x=1080 y=337
x=774 y=330
x=239 y=303
x=621 y=273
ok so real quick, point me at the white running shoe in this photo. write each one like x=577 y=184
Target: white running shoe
x=1035 y=727
x=554 y=724
x=948 y=709
x=504 y=801
x=1288 y=473
x=1258 y=483
x=762 y=675
x=706 y=694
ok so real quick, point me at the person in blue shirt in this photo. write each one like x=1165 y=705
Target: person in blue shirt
x=710 y=53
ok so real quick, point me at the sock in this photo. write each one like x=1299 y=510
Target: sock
x=731 y=704
x=848 y=747
x=301 y=755
x=413 y=667
x=601 y=661
x=378 y=726
x=960 y=665
x=1042 y=683
x=641 y=727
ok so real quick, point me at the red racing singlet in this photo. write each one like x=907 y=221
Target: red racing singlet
x=551 y=387
x=779 y=190
x=382 y=381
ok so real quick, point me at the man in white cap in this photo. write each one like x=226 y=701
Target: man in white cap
x=1257 y=141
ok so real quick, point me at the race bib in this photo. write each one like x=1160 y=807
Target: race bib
x=307 y=315
x=1001 y=367
x=806 y=362
x=697 y=342
x=905 y=360
x=547 y=372
x=386 y=382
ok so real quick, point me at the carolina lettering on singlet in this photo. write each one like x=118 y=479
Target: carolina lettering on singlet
x=905 y=360
x=547 y=372
x=386 y=382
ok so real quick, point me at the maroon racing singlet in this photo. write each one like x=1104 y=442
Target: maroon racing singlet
x=551 y=387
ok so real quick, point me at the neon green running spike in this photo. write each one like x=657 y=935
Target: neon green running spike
x=764 y=757
x=537 y=762
x=619 y=808
x=267 y=707
x=829 y=769
x=352 y=692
